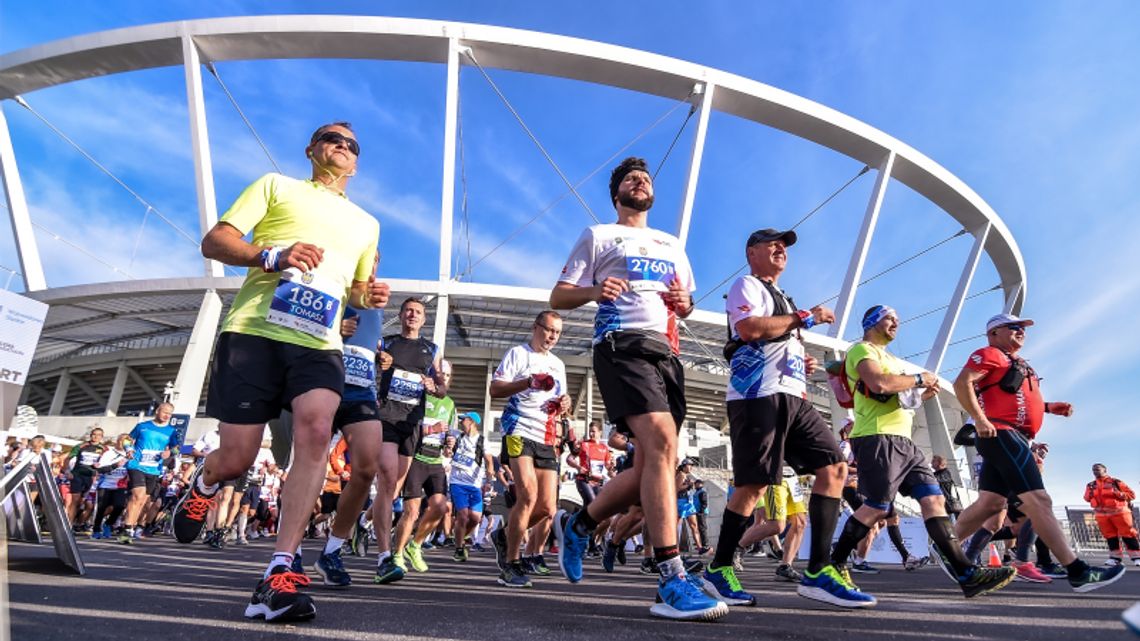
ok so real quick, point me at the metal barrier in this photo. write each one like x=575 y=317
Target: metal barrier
x=1084 y=533
x=20 y=511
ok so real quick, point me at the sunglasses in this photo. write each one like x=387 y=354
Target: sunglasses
x=333 y=138
x=1015 y=328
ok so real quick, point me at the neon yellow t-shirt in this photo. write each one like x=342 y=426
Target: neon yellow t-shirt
x=301 y=309
x=871 y=416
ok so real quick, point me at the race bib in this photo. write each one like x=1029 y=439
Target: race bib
x=150 y=457
x=794 y=367
x=305 y=302
x=359 y=366
x=464 y=462
x=797 y=492
x=649 y=274
x=406 y=387
x=597 y=469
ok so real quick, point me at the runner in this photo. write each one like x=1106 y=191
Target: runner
x=534 y=381
x=426 y=478
x=999 y=390
x=472 y=469
x=889 y=461
x=215 y=521
x=642 y=282
x=1111 y=500
x=251 y=498
x=358 y=420
x=153 y=441
x=112 y=487
x=784 y=507
x=592 y=462
x=86 y=455
x=772 y=422
x=312 y=251
x=414 y=372
x=686 y=507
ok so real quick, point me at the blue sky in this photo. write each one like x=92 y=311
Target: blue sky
x=1031 y=104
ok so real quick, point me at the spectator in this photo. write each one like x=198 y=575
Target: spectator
x=1111 y=500
x=946 y=483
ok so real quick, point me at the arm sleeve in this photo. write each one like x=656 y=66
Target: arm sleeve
x=252 y=205
x=579 y=268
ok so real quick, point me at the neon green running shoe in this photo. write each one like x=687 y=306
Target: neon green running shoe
x=414 y=555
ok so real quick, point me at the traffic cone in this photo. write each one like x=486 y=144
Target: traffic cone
x=995 y=558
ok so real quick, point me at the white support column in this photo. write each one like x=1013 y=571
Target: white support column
x=26 y=248
x=487 y=422
x=950 y=320
x=589 y=397
x=59 y=399
x=1012 y=302
x=447 y=202
x=705 y=91
x=200 y=143
x=196 y=360
x=117 y=387
x=859 y=256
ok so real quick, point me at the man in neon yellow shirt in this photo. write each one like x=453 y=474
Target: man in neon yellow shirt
x=888 y=460
x=312 y=252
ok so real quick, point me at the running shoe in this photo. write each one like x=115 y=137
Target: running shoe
x=107 y=532
x=649 y=566
x=1029 y=573
x=1053 y=570
x=460 y=555
x=538 y=565
x=190 y=513
x=609 y=555
x=788 y=573
x=478 y=548
x=1113 y=562
x=726 y=587
x=514 y=576
x=1136 y=561
x=331 y=569
x=621 y=553
x=360 y=541
x=1131 y=618
x=829 y=586
x=219 y=540
x=427 y=545
x=738 y=560
x=943 y=563
x=241 y=541
x=913 y=563
x=388 y=571
x=703 y=550
x=693 y=566
x=448 y=542
x=97 y=534
x=571 y=545
x=499 y=542
x=678 y=598
x=125 y=538
x=863 y=567
x=277 y=599
x=984 y=580
x=845 y=572
x=413 y=552
x=298 y=566
x=1096 y=578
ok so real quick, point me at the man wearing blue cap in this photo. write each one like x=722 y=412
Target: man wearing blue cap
x=471 y=472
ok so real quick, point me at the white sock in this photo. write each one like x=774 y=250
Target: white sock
x=672 y=567
x=279 y=558
x=381 y=557
x=333 y=544
x=208 y=490
x=298 y=549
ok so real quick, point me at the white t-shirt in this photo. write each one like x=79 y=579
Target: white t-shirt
x=208 y=442
x=524 y=414
x=271 y=483
x=648 y=259
x=465 y=469
x=762 y=368
x=115 y=478
x=256 y=473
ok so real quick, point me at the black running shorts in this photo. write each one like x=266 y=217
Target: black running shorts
x=252 y=378
x=1008 y=467
x=329 y=501
x=889 y=464
x=355 y=412
x=633 y=384
x=404 y=434
x=544 y=456
x=424 y=479
x=139 y=478
x=80 y=485
x=773 y=430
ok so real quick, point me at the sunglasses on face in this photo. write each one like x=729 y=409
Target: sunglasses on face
x=333 y=138
x=1015 y=328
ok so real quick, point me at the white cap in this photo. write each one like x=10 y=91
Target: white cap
x=1006 y=319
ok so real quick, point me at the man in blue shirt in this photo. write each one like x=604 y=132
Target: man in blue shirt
x=154 y=441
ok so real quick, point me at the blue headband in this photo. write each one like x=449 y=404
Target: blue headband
x=878 y=313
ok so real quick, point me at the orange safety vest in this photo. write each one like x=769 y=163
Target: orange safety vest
x=1108 y=495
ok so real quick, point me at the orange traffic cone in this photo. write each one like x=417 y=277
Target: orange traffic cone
x=995 y=559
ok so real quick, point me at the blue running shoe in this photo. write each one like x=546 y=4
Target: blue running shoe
x=331 y=569
x=571 y=545
x=829 y=586
x=679 y=598
x=726 y=587
x=298 y=565
x=109 y=534
x=609 y=555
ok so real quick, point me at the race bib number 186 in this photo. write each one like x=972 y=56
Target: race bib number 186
x=304 y=302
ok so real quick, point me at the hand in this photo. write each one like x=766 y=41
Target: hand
x=385 y=361
x=544 y=382
x=348 y=327
x=929 y=380
x=810 y=363
x=677 y=299
x=304 y=256
x=610 y=288
x=985 y=429
x=378 y=293
x=166 y=454
x=822 y=315
x=929 y=393
x=429 y=384
x=1061 y=409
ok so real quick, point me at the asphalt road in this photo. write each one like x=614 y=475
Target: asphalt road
x=157 y=589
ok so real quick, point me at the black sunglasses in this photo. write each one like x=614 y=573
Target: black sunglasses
x=333 y=138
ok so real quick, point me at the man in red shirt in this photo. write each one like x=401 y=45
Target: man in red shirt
x=1111 y=500
x=1003 y=395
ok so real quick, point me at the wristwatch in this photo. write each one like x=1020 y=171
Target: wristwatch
x=918 y=380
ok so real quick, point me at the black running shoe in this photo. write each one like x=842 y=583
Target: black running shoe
x=609 y=556
x=1096 y=578
x=649 y=566
x=693 y=566
x=514 y=577
x=190 y=513
x=499 y=540
x=538 y=565
x=277 y=599
x=621 y=553
x=983 y=580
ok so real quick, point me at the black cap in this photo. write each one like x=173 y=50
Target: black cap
x=765 y=235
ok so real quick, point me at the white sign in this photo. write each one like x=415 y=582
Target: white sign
x=882 y=551
x=21 y=320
